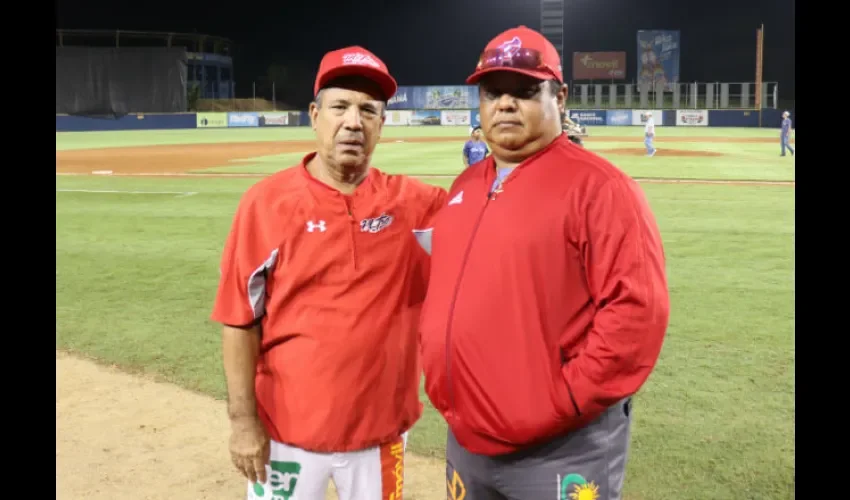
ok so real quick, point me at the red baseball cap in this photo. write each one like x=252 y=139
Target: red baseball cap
x=520 y=50
x=355 y=61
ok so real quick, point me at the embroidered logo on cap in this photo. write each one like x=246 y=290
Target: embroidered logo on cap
x=511 y=46
x=359 y=59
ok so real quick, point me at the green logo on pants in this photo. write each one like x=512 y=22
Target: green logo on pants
x=581 y=489
x=281 y=481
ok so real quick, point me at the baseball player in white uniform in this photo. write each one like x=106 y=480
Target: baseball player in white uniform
x=649 y=133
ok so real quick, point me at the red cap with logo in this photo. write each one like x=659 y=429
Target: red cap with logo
x=520 y=50
x=355 y=61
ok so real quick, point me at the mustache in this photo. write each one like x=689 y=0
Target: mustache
x=351 y=139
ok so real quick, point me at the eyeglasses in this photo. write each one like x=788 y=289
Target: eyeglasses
x=521 y=58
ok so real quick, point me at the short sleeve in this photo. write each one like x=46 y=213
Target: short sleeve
x=245 y=263
x=466 y=149
x=432 y=199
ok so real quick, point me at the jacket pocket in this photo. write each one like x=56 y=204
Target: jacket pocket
x=568 y=404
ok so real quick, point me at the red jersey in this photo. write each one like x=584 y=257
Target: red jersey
x=547 y=302
x=337 y=282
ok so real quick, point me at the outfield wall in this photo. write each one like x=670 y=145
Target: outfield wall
x=770 y=118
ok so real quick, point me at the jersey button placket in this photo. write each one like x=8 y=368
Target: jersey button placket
x=352 y=228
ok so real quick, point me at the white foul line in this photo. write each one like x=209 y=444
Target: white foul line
x=179 y=194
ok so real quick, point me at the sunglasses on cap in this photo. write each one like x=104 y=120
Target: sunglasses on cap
x=523 y=59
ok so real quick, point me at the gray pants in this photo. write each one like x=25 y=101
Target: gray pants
x=591 y=458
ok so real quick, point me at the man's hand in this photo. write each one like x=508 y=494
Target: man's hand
x=249 y=448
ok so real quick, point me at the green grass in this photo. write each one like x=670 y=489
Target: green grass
x=136 y=276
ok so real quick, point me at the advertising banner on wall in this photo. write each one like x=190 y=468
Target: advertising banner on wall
x=398 y=118
x=599 y=65
x=658 y=58
x=243 y=119
x=588 y=116
x=403 y=99
x=618 y=117
x=476 y=118
x=639 y=118
x=425 y=117
x=211 y=120
x=450 y=118
x=274 y=119
x=692 y=117
x=435 y=97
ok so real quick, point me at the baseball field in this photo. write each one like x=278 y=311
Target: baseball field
x=140 y=222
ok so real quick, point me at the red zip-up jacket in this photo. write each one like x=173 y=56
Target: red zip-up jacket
x=547 y=302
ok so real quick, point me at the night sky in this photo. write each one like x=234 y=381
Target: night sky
x=437 y=42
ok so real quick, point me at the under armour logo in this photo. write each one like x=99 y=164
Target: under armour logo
x=312 y=226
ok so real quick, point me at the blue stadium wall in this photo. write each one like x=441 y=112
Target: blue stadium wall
x=770 y=118
x=451 y=105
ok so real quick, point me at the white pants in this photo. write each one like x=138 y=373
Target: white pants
x=295 y=474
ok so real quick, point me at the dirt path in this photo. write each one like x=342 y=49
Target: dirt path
x=123 y=436
x=189 y=157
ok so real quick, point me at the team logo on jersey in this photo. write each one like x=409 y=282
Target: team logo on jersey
x=376 y=224
x=316 y=226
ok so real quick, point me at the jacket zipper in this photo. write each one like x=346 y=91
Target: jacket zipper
x=454 y=301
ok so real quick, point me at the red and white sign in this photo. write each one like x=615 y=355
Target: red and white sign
x=692 y=118
x=454 y=117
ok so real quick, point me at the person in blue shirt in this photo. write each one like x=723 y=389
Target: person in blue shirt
x=785 y=136
x=475 y=149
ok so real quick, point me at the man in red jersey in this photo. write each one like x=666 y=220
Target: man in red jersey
x=322 y=281
x=547 y=304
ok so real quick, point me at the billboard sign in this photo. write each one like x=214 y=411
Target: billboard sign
x=243 y=119
x=450 y=118
x=639 y=117
x=618 y=117
x=403 y=99
x=692 y=117
x=599 y=65
x=270 y=119
x=588 y=116
x=211 y=120
x=425 y=117
x=658 y=58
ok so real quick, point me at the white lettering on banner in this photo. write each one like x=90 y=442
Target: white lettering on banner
x=586 y=118
x=398 y=98
x=692 y=118
x=360 y=59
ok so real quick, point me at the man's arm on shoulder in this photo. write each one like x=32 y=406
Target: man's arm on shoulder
x=622 y=251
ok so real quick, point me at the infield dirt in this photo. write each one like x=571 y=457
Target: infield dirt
x=187 y=158
x=124 y=436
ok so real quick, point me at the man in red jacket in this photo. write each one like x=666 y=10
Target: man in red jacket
x=547 y=303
